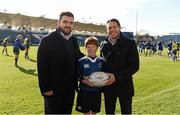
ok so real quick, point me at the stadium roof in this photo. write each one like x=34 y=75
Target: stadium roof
x=24 y=20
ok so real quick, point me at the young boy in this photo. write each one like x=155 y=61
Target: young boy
x=89 y=97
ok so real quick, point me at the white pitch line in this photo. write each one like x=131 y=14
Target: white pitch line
x=156 y=94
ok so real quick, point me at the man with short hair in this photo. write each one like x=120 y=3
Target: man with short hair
x=57 y=62
x=122 y=61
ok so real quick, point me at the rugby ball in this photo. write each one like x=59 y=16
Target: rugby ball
x=98 y=79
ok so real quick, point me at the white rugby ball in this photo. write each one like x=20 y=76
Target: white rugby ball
x=98 y=79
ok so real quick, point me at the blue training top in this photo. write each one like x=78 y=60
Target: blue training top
x=89 y=65
x=18 y=44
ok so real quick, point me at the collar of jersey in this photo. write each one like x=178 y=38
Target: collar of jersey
x=92 y=60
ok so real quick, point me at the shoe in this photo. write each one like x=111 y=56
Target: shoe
x=16 y=64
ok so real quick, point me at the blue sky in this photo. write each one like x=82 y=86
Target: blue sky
x=157 y=17
x=160 y=16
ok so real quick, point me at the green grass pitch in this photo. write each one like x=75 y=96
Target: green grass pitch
x=157 y=86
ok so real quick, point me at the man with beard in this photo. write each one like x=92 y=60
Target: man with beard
x=57 y=59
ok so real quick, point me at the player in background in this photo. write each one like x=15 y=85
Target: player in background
x=169 y=47
x=17 y=46
x=27 y=45
x=174 y=50
x=148 y=49
x=160 y=48
x=89 y=96
x=4 y=44
x=178 y=49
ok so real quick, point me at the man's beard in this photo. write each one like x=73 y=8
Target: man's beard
x=62 y=30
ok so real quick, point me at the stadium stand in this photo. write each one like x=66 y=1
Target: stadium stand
x=37 y=27
x=15 y=20
x=167 y=38
x=35 y=36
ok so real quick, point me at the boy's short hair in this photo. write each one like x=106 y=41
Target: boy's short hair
x=91 y=40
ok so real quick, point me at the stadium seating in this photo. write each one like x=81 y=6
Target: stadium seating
x=167 y=38
x=36 y=36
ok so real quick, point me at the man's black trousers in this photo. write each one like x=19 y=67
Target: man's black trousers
x=61 y=104
x=125 y=104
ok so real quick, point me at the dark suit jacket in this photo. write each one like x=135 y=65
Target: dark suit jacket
x=54 y=70
x=122 y=60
